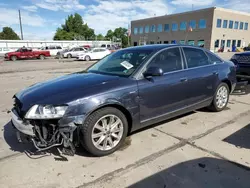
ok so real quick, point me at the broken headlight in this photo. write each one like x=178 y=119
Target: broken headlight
x=46 y=112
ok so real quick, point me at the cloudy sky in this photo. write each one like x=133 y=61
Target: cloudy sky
x=42 y=17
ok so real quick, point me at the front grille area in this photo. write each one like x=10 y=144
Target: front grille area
x=243 y=59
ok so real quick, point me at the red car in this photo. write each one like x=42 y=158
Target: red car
x=26 y=53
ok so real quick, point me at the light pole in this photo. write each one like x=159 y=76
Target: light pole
x=20 y=22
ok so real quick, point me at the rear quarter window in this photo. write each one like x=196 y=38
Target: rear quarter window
x=213 y=58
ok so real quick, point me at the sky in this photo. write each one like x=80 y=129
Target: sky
x=41 y=18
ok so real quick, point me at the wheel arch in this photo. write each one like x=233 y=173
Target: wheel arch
x=228 y=82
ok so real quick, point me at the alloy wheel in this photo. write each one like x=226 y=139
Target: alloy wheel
x=221 y=97
x=107 y=132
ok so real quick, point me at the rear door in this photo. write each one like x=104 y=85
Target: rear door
x=202 y=75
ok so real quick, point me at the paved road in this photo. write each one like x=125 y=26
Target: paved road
x=200 y=149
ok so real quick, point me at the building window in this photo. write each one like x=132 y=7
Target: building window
x=222 y=45
x=225 y=23
x=183 y=26
x=147 y=29
x=202 y=24
x=191 y=42
x=201 y=43
x=234 y=43
x=228 y=43
x=192 y=24
x=141 y=30
x=246 y=26
x=165 y=42
x=216 y=44
x=238 y=43
x=153 y=28
x=241 y=25
x=135 y=31
x=231 y=24
x=236 y=25
x=174 y=27
x=218 y=23
x=166 y=27
x=182 y=42
x=159 y=28
x=152 y=42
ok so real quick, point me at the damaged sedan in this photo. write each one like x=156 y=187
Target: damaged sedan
x=123 y=92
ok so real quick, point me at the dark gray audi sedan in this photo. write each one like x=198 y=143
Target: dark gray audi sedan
x=123 y=92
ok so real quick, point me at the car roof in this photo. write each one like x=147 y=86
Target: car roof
x=243 y=53
x=158 y=47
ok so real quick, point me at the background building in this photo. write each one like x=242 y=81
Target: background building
x=212 y=27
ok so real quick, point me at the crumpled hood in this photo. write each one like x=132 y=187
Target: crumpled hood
x=63 y=89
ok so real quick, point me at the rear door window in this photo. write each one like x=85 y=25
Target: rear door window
x=195 y=57
x=168 y=60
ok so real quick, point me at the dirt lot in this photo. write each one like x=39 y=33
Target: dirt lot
x=200 y=149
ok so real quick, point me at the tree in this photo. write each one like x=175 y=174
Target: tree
x=100 y=37
x=74 y=29
x=109 y=34
x=8 y=34
x=119 y=34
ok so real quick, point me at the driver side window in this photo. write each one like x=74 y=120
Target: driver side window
x=168 y=60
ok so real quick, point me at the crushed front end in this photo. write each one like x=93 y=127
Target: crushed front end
x=44 y=129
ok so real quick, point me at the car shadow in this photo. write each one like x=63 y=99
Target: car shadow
x=241 y=138
x=9 y=133
x=202 y=172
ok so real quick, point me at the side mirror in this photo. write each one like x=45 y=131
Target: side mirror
x=153 y=71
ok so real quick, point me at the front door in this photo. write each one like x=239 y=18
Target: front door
x=161 y=95
x=202 y=75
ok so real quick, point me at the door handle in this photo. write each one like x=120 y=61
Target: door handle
x=183 y=79
x=215 y=73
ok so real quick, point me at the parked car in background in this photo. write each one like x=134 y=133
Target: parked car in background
x=52 y=49
x=73 y=52
x=246 y=48
x=94 y=54
x=123 y=92
x=60 y=53
x=26 y=53
x=242 y=62
x=3 y=51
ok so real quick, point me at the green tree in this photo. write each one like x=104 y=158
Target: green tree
x=100 y=37
x=8 y=34
x=119 y=35
x=74 y=29
x=109 y=34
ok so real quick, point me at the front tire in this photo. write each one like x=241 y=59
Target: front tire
x=104 y=131
x=221 y=98
x=13 y=58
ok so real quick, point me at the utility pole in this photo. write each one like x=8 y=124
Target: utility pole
x=192 y=7
x=21 y=27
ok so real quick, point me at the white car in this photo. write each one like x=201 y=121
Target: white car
x=94 y=54
x=52 y=49
x=3 y=51
x=74 y=52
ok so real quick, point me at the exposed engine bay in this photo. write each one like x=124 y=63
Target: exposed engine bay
x=49 y=134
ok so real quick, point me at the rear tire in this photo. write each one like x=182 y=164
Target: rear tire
x=221 y=98
x=13 y=58
x=42 y=57
x=87 y=58
x=100 y=123
x=69 y=56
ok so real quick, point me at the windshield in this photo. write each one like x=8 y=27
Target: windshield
x=121 y=63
